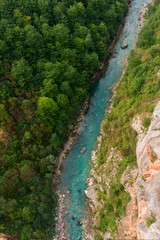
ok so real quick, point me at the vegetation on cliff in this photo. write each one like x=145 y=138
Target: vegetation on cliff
x=49 y=50
x=137 y=93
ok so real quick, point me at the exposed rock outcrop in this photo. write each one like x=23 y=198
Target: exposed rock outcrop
x=6 y=237
x=148 y=182
x=141 y=14
x=128 y=224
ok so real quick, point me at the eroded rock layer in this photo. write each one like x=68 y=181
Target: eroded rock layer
x=148 y=181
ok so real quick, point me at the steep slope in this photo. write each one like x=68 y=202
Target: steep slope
x=113 y=191
x=49 y=50
x=148 y=187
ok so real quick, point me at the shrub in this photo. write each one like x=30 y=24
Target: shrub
x=146 y=122
x=149 y=221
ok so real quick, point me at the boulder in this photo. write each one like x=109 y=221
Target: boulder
x=124 y=45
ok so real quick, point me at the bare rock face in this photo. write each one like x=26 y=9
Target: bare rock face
x=148 y=182
x=128 y=224
x=6 y=237
x=137 y=125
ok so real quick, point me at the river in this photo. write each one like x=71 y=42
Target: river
x=76 y=166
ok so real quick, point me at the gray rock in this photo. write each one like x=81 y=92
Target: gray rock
x=148 y=182
x=124 y=45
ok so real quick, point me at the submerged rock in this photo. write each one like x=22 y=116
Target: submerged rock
x=79 y=223
x=79 y=190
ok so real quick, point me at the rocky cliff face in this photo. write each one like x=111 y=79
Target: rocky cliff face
x=148 y=181
x=142 y=219
x=6 y=237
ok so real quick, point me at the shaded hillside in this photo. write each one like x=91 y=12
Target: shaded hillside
x=115 y=174
x=49 y=50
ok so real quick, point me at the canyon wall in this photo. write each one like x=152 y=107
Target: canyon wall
x=148 y=181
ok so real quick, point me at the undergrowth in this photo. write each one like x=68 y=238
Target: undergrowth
x=137 y=93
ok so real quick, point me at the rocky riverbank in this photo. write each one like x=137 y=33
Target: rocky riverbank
x=94 y=181
x=128 y=223
x=74 y=129
x=72 y=139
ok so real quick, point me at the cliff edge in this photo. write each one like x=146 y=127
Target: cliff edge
x=148 y=181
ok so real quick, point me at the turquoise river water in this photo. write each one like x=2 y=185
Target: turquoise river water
x=76 y=166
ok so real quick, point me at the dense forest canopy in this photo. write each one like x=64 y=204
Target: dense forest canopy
x=49 y=50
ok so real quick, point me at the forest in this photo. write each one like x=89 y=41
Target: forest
x=137 y=94
x=49 y=50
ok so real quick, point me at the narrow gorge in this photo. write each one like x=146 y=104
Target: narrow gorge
x=123 y=189
x=107 y=176
x=148 y=188
x=79 y=119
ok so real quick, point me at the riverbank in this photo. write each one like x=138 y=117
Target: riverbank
x=95 y=181
x=73 y=137
x=91 y=192
x=74 y=129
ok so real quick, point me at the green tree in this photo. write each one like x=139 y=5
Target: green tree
x=33 y=41
x=22 y=73
x=28 y=214
x=26 y=173
x=47 y=111
x=55 y=141
x=50 y=89
x=66 y=89
x=3 y=113
x=63 y=102
x=61 y=34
